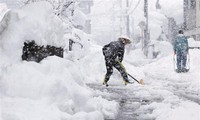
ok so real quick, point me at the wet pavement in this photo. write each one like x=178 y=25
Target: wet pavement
x=129 y=104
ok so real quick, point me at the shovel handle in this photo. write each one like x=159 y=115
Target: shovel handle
x=133 y=78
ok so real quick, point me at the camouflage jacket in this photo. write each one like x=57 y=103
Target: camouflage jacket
x=114 y=50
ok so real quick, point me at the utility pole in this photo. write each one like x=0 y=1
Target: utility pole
x=127 y=20
x=146 y=30
x=120 y=4
x=113 y=25
x=185 y=5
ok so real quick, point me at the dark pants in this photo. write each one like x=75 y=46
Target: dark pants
x=118 y=66
x=181 y=59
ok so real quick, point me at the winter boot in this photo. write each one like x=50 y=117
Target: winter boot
x=105 y=82
x=178 y=70
x=184 y=70
x=126 y=81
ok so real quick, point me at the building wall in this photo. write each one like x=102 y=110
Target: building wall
x=192 y=18
x=190 y=14
x=198 y=13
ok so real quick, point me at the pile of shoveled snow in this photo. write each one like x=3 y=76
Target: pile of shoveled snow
x=179 y=92
x=50 y=90
x=164 y=68
x=3 y=10
x=33 y=22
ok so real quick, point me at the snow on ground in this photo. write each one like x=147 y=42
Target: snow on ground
x=53 y=89
x=172 y=96
x=175 y=96
x=49 y=90
x=30 y=23
x=193 y=43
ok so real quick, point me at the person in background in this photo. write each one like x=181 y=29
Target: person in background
x=181 y=50
x=114 y=53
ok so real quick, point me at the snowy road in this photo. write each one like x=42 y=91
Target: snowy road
x=142 y=102
x=128 y=101
x=179 y=88
x=166 y=95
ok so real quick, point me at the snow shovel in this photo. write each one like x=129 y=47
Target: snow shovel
x=175 y=62
x=188 y=63
x=140 y=82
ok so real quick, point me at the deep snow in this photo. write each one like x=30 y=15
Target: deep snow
x=172 y=96
x=55 y=89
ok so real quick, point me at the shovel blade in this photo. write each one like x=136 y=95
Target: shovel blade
x=141 y=82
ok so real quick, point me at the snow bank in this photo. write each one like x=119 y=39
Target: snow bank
x=92 y=65
x=166 y=71
x=109 y=110
x=172 y=88
x=169 y=95
x=164 y=48
x=50 y=90
x=53 y=89
x=165 y=105
x=137 y=58
x=3 y=10
x=81 y=47
x=37 y=22
x=193 y=43
x=183 y=111
x=33 y=22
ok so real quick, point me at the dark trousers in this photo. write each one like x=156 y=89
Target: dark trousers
x=181 y=59
x=118 y=66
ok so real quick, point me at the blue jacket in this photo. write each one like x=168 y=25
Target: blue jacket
x=180 y=43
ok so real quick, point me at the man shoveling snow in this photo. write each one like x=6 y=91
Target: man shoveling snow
x=114 y=53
